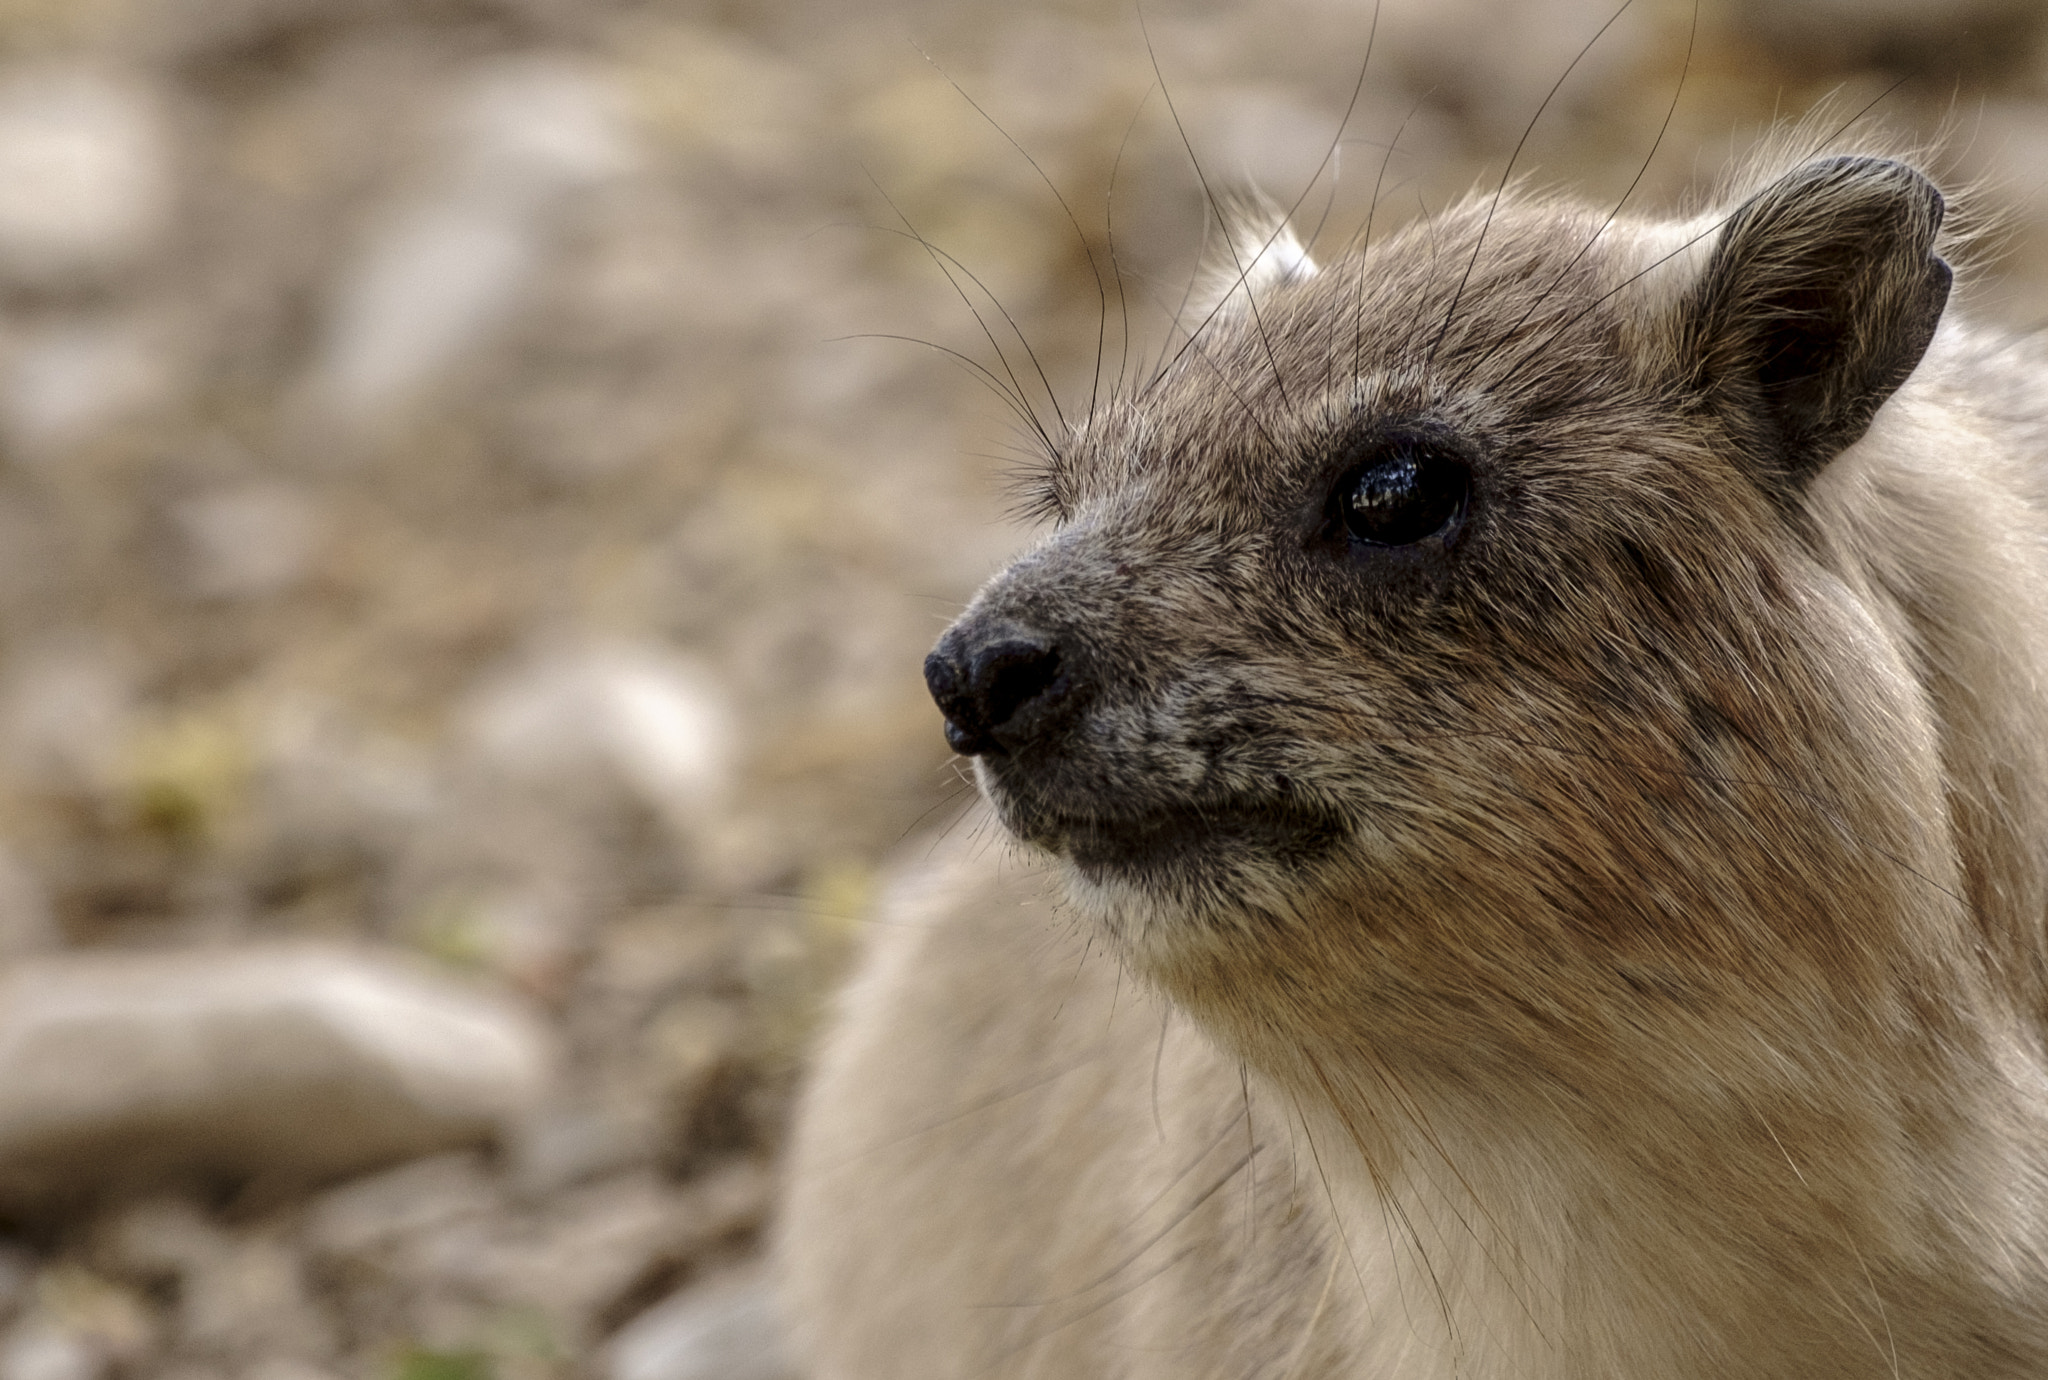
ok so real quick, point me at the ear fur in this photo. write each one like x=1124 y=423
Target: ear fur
x=1821 y=296
x=1255 y=252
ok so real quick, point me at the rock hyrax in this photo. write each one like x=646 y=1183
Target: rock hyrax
x=1531 y=742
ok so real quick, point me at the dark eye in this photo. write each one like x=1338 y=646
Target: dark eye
x=1402 y=493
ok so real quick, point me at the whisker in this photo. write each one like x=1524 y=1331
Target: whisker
x=1506 y=173
x=1087 y=250
x=1685 y=68
x=1537 y=350
x=942 y=259
x=1215 y=209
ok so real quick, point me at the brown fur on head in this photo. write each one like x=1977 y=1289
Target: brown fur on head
x=1591 y=721
x=1530 y=664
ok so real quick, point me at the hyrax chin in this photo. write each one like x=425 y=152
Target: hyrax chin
x=1548 y=721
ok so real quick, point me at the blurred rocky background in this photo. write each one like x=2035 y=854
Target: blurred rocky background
x=466 y=550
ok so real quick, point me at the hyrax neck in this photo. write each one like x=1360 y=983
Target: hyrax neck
x=1833 y=1225
x=1822 y=1161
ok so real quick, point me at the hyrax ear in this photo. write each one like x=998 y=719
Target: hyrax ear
x=1255 y=252
x=1822 y=295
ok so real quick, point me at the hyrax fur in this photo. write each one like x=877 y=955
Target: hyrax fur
x=1549 y=720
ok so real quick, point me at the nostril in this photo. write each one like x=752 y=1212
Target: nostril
x=1000 y=693
x=948 y=686
x=1011 y=675
x=966 y=731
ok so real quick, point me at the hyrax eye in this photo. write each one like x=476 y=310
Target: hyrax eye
x=1402 y=493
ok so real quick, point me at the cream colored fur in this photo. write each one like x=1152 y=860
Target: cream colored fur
x=1599 y=1052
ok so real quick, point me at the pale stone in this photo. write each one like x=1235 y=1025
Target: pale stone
x=247 y=540
x=445 y=267
x=84 y=174
x=235 y=1291
x=38 y=1351
x=66 y=709
x=647 y=718
x=290 y=1063
x=376 y=1214
x=732 y=1329
x=67 y=380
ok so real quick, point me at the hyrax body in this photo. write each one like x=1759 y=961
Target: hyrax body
x=1531 y=749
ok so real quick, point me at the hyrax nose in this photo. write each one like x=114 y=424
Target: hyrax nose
x=999 y=687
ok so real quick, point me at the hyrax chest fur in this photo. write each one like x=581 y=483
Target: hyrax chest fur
x=1528 y=741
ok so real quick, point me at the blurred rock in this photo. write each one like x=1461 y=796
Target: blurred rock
x=250 y=1297
x=376 y=1213
x=590 y=1248
x=247 y=540
x=27 y=924
x=61 y=382
x=289 y=1064
x=236 y=1292
x=440 y=271
x=511 y=880
x=697 y=1053
x=65 y=713
x=334 y=804
x=158 y=1239
x=81 y=1327
x=730 y=1329
x=446 y=1230
x=286 y=1368
x=17 y=1279
x=700 y=86
x=566 y=1145
x=188 y=30
x=1908 y=35
x=39 y=1351
x=85 y=183
x=629 y=711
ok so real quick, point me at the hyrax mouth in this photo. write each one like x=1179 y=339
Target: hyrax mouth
x=1021 y=704
x=1174 y=841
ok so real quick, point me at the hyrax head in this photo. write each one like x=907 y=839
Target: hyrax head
x=1454 y=609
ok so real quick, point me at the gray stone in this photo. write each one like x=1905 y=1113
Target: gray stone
x=81 y=1327
x=373 y=1216
x=444 y=268
x=247 y=540
x=648 y=719
x=236 y=1291
x=84 y=174
x=730 y=1329
x=66 y=379
x=288 y=1063
x=39 y=1352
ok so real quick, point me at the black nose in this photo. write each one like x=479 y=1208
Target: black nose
x=998 y=688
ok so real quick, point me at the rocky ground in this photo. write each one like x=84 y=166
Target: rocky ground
x=465 y=556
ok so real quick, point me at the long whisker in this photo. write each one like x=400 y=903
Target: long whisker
x=1087 y=250
x=1216 y=210
x=1123 y=297
x=1508 y=172
x=1684 y=70
x=940 y=258
x=1365 y=244
x=1538 y=348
